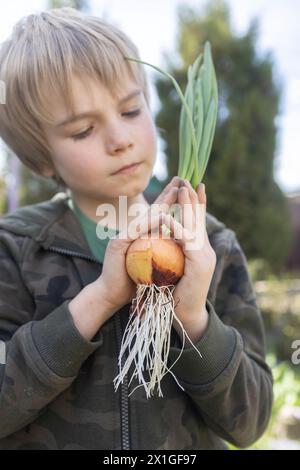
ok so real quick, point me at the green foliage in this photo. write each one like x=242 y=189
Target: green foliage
x=286 y=386
x=259 y=269
x=286 y=394
x=239 y=179
x=279 y=301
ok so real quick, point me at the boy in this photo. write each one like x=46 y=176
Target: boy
x=64 y=306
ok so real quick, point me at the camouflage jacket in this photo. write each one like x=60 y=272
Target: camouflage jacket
x=56 y=388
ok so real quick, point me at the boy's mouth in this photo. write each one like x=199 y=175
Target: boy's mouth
x=127 y=169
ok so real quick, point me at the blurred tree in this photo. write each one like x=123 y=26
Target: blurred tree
x=239 y=179
x=23 y=186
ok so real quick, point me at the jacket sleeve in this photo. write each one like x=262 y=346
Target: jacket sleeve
x=231 y=385
x=38 y=359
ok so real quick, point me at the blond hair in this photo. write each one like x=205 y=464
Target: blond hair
x=39 y=59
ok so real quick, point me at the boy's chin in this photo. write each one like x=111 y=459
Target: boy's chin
x=132 y=192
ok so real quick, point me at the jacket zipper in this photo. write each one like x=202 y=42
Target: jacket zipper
x=124 y=414
x=124 y=395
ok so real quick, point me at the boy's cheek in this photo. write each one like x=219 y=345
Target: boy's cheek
x=149 y=143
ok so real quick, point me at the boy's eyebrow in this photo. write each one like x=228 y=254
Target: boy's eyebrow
x=93 y=112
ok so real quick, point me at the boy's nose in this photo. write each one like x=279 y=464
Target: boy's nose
x=117 y=142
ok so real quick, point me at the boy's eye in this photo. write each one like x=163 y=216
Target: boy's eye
x=86 y=133
x=136 y=112
x=83 y=134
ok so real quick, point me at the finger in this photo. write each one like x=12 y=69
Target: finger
x=201 y=217
x=174 y=183
x=179 y=231
x=198 y=227
x=192 y=192
x=153 y=210
x=201 y=193
x=188 y=240
x=166 y=202
x=202 y=200
x=187 y=208
x=194 y=201
x=146 y=226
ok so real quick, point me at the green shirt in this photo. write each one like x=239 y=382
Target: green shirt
x=97 y=235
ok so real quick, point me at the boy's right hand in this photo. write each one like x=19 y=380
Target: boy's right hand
x=116 y=286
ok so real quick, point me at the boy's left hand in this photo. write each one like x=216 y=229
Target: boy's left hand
x=190 y=293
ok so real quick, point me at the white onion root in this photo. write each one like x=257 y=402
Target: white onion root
x=146 y=339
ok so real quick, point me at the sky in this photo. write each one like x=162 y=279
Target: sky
x=152 y=25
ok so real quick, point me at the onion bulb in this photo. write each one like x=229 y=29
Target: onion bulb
x=157 y=261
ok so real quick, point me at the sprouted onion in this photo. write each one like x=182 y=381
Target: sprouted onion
x=156 y=264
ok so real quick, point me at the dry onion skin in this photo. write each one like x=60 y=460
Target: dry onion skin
x=157 y=261
x=156 y=264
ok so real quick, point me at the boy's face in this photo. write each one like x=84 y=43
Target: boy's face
x=88 y=152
